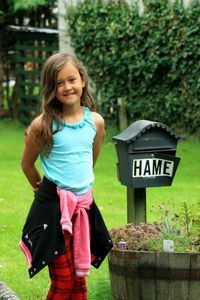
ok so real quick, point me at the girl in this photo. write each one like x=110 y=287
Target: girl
x=64 y=228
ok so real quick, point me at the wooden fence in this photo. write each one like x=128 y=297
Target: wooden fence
x=33 y=46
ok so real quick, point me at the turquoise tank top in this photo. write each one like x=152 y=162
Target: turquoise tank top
x=70 y=162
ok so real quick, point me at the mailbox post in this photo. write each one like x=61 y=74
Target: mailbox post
x=146 y=158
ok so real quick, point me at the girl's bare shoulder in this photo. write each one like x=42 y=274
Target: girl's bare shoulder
x=98 y=119
x=35 y=125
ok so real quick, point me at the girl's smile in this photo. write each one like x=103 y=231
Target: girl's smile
x=69 y=85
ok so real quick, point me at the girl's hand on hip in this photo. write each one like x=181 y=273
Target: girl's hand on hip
x=37 y=186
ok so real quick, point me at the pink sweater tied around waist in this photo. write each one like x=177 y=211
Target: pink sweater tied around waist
x=70 y=205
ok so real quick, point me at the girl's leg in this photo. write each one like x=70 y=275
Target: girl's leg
x=79 y=291
x=64 y=285
x=62 y=277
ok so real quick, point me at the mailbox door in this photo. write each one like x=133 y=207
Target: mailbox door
x=153 y=169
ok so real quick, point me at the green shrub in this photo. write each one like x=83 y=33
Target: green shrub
x=151 y=60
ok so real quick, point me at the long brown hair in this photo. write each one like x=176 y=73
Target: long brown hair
x=51 y=107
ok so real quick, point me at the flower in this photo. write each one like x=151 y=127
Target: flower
x=137 y=237
x=181 y=228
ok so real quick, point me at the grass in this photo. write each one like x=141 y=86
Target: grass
x=16 y=197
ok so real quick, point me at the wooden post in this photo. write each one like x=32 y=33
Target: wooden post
x=136 y=205
x=122 y=113
x=1 y=81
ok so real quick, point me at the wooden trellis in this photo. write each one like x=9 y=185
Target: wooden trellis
x=33 y=46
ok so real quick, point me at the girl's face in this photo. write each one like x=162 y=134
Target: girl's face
x=69 y=85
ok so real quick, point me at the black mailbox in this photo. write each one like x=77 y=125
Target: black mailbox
x=146 y=154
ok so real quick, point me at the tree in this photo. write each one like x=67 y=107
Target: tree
x=150 y=60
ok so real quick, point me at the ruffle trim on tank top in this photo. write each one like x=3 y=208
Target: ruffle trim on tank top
x=81 y=123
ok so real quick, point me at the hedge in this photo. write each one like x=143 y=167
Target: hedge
x=151 y=60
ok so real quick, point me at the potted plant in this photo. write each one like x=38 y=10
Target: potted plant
x=141 y=269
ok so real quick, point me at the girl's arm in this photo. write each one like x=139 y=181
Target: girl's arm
x=30 y=155
x=100 y=133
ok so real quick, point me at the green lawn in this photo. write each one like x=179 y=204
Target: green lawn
x=16 y=197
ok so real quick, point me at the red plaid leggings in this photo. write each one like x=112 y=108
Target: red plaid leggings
x=64 y=285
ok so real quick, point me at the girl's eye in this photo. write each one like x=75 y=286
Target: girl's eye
x=59 y=83
x=72 y=80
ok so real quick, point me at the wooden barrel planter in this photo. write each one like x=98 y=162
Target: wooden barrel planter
x=144 y=275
